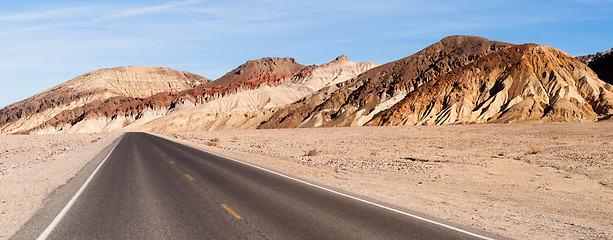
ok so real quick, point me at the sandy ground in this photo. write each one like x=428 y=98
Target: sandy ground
x=32 y=167
x=524 y=181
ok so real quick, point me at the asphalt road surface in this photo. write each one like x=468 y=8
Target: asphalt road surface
x=152 y=188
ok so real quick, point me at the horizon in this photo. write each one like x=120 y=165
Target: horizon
x=47 y=44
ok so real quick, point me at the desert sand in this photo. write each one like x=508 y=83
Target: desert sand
x=32 y=167
x=524 y=181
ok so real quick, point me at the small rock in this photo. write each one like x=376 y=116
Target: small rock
x=604 y=183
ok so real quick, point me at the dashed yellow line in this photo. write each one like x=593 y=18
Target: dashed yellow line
x=231 y=211
x=189 y=177
x=171 y=162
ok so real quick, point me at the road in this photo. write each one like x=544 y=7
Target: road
x=152 y=188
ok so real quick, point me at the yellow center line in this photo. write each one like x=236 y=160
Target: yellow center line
x=171 y=162
x=231 y=211
x=189 y=177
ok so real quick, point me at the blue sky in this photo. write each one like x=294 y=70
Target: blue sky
x=45 y=43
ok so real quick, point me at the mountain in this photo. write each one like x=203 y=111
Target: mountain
x=128 y=113
x=355 y=102
x=247 y=109
x=460 y=79
x=601 y=63
x=337 y=71
x=146 y=98
x=89 y=91
x=524 y=83
x=264 y=69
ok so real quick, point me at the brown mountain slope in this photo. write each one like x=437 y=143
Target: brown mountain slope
x=90 y=90
x=358 y=100
x=601 y=64
x=117 y=112
x=269 y=69
x=247 y=109
x=522 y=83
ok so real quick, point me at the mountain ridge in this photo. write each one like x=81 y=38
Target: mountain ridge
x=91 y=89
x=119 y=109
x=531 y=86
x=345 y=104
x=457 y=80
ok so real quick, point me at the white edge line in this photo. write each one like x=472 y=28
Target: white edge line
x=61 y=215
x=354 y=198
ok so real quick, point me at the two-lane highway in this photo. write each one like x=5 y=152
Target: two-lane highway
x=152 y=188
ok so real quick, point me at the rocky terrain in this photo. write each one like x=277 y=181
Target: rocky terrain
x=244 y=93
x=461 y=79
x=31 y=167
x=66 y=104
x=265 y=69
x=524 y=83
x=247 y=109
x=601 y=63
x=458 y=80
x=355 y=102
x=524 y=181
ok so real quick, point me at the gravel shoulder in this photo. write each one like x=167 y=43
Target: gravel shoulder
x=524 y=181
x=33 y=166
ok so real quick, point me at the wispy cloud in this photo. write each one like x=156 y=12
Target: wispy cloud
x=81 y=16
x=42 y=15
x=148 y=10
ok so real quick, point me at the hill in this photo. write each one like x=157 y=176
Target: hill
x=355 y=102
x=247 y=109
x=91 y=90
x=460 y=79
x=524 y=83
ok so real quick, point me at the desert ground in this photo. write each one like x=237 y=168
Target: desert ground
x=32 y=167
x=524 y=181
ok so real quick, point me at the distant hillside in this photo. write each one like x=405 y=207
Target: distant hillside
x=264 y=69
x=356 y=102
x=525 y=83
x=131 y=98
x=458 y=80
x=247 y=109
x=601 y=63
x=461 y=79
x=91 y=90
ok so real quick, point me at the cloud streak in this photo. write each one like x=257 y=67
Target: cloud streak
x=44 y=15
x=149 y=10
